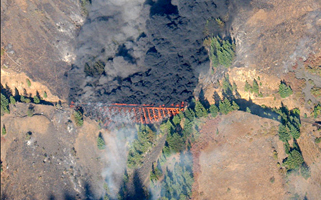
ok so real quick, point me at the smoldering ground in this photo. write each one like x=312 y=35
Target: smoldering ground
x=135 y=51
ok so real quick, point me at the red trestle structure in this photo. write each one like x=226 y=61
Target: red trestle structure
x=133 y=113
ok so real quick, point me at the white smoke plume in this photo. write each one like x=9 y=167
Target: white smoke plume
x=109 y=24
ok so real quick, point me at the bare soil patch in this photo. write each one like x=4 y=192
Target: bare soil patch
x=46 y=156
x=238 y=163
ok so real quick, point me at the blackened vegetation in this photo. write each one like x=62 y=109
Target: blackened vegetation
x=160 y=65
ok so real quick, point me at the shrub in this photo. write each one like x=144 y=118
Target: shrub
x=272 y=179
x=23 y=99
x=101 y=142
x=317 y=140
x=247 y=87
x=317 y=111
x=44 y=94
x=284 y=90
x=12 y=100
x=4 y=131
x=36 y=99
x=28 y=82
x=248 y=110
x=28 y=135
x=219 y=22
x=78 y=118
x=316 y=92
x=255 y=87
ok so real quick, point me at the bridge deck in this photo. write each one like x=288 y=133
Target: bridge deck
x=131 y=113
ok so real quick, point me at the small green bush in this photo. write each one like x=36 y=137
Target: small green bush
x=317 y=111
x=12 y=100
x=317 y=140
x=255 y=87
x=247 y=87
x=28 y=135
x=285 y=90
x=4 y=105
x=248 y=110
x=28 y=82
x=4 y=131
x=44 y=94
x=36 y=99
x=23 y=99
x=272 y=179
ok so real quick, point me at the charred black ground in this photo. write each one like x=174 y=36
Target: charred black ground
x=159 y=64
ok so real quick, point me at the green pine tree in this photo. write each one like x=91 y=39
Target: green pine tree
x=225 y=106
x=200 y=110
x=213 y=110
x=284 y=133
x=4 y=105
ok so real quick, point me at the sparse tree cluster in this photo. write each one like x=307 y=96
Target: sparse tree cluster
x=222 y=52
x=254 y=88
x=226 y=106
x=178 y=182
x=290 y=124
x=146 y=138
x=95 y=69
x=290 y=128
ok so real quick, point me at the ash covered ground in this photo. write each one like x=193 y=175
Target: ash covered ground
x=145 y=51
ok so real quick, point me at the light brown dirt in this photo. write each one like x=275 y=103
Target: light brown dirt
x=238 y=163
x=58 y=161
x=14 y=80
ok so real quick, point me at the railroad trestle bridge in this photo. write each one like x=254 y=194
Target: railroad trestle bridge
x=130 y=113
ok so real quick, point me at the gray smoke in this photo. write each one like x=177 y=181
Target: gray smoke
x=115 y=157
x=148 y=51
